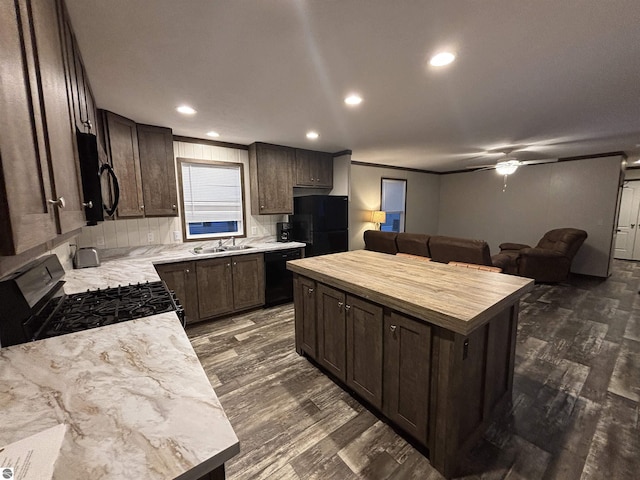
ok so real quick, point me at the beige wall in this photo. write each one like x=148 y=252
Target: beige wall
x=579 y=194
x=422 y=200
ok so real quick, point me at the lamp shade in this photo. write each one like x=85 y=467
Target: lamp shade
x=378 y=216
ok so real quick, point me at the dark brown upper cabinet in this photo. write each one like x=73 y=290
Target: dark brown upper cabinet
x=157 y=165
x=39 y=179
x=121 y=137
x=313 y=169
x=271 y=172
x=142 y=159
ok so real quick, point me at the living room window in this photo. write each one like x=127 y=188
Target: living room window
x=394 y=202
x=212 y=199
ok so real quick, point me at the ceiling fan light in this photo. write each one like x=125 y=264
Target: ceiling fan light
x=508 y=167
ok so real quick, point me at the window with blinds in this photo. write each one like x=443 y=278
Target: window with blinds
x=394 y=202
x=212 y=199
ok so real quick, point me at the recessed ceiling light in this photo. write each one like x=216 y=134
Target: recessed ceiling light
x=186 y=110
x=441 y=59
x=312 y=135
x=353 y=99
x=213 y=134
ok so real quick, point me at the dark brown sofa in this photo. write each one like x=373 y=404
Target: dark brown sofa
x=453 y=249
x=378 y=241
x=549 y=261
x=438 y=248
x=413 y=244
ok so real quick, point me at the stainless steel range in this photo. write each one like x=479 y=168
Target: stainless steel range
x=34 y=306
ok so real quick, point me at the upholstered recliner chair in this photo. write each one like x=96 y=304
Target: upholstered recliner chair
x=549 y=261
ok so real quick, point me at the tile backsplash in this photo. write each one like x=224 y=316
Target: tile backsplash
x=158 y=231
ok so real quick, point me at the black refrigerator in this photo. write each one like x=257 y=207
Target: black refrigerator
x=322 y=222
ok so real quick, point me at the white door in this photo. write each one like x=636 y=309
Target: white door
x=627 y=245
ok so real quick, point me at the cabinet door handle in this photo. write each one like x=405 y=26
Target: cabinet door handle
x=340 y=304
x=173 y=207
x=187 y=271
x=309 y=291
x=141 y=207
x=88 y=204
x=60 y=203
x=347 y=307
x=633 y=225
x=228 y=265
x=393 y=331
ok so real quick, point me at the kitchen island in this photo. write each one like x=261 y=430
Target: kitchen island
x=133 y=395
x=431 y=346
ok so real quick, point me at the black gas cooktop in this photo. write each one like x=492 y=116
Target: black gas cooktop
x=35 y=307
x=91 y=309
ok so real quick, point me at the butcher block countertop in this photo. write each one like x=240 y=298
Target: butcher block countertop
x=133 y=396
x=455 y=298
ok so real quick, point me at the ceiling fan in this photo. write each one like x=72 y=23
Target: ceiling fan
x=508 y=162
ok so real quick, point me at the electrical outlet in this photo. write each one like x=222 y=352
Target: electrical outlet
x=176 y=236
x=254 y=231
x=100 y=241
x=150 y=237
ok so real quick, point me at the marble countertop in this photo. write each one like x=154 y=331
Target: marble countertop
x=136 y=264
x=458 y=299
x=134 y=397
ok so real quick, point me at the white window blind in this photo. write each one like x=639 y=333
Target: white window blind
x=212 y=193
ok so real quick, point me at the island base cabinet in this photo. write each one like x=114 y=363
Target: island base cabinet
x=331 y=330
x=471 y=382
x=304 y=300
x=407 y=373
x=440 y=387
x=364 y=349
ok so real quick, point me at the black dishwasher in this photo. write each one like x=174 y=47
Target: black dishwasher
x=279 y=280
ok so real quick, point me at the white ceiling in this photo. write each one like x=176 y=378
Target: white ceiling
x=557 y=78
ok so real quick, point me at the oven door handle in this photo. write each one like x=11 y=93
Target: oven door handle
x=116 y=189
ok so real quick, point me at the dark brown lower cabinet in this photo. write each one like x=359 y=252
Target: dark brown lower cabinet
x=305 y=315
x=331 y=330
x=440 y=387
x=215 y=287
x=181 y=278
x=364 y=349
x=209 y=288
x=407 y=366
x=248 y=281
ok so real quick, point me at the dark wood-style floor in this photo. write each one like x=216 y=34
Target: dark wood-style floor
x=575 y=412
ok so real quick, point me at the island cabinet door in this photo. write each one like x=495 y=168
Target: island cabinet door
x=364 y=349
x=304 y=298
x=215 y=287
x=331 y=330
x=407 y=363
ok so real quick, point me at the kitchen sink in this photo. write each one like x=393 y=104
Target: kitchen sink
x=227 y=248
x=236 y=247
x=200 y=251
